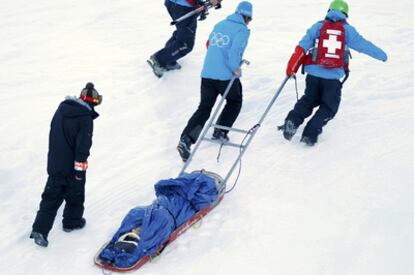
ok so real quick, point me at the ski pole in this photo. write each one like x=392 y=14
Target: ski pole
x=191 y=13
x=198 y=10
x=212 y=118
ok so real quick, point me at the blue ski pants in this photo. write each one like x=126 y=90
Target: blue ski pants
x=182 y=40
x=321 y=93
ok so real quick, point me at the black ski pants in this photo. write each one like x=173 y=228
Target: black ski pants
x=182 y=40
x=57 y=190
x=210 y=89
x=322 y=93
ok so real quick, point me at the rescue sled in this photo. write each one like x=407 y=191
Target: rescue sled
x=105 y=265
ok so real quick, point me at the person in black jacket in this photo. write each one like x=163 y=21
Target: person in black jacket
x=70 y=140
x=182 y=40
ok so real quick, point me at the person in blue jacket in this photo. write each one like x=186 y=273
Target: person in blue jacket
x=327 y=43
x=182 y=40
x=226 y=45
x=70 y=140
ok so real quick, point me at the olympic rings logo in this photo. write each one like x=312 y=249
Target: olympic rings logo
x=218 y=39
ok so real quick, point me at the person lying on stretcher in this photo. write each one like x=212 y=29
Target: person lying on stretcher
x=145 y=229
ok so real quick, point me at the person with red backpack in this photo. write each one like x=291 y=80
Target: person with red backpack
x=182 y=40
x=324 y=54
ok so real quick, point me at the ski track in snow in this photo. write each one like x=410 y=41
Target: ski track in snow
x=342 y=207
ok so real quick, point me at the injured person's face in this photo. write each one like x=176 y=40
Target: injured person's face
x=129 y=241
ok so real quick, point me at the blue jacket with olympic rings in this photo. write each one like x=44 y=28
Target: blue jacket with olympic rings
x=226 y=45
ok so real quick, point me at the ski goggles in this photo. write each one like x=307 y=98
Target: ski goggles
x=96 y=101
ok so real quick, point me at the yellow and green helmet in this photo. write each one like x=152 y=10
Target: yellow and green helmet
x=340 y=5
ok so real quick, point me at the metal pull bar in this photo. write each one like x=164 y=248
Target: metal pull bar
x=226 y=143
x=230 y=128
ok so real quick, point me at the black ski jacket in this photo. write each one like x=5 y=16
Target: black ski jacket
x=70 y=136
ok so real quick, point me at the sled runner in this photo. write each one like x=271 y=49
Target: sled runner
x=108 y=265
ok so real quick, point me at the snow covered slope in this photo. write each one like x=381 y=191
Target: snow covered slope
x=343 y=207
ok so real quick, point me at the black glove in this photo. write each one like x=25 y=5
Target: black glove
x=80 y=175
x=203 y=15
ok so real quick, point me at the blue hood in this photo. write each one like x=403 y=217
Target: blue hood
x=236 y=18
x=335 y=15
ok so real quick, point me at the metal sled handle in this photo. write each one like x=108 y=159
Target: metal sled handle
x=256 y=127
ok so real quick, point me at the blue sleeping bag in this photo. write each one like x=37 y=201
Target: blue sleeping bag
x=177 y=201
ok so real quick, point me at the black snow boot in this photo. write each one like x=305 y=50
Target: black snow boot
x=184 y=147
x=39 y=239
x=157 y=69
x=289 y=129
x=81 y=225
x=220 y=135
x=173 y=66
x=308 y=141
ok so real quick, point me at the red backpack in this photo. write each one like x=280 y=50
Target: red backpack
x=330 y=51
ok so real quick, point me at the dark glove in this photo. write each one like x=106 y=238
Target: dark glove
x=216 y=3
x=80 y=175
x=203 y=15
x=80 y=169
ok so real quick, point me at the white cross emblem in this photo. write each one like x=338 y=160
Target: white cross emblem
x=332 y=44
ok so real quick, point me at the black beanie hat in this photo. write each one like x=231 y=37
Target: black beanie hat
x=90 y=94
